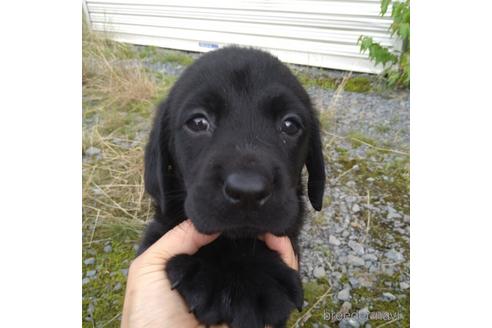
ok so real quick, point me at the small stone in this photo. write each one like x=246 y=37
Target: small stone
x=334 y=240
x=355 y=260
x=90 y=309
x=351 y=184
x=370 y=179
x=356 y=208
x=91 y=273
x=344 y=295
x=346 y=307
x=345 y=233
x=135 y=247
x=351 y=199
x=92 y=151
x=349 y=323
x=368 y=325
x=108 y=249
x=363 y=315
x=365 y=281
x=354 y=282
x=392 y=213
x=388 y=270
x=356 y=247
x=406 y=218
x=117 y=286
x=89 y=261
x=319 y=272
x=85 y=281
x=342 y=259
x=404 y=285
x=370 y=257
x=305 y=304
x=389 y=297
x=394 y=255
x=124 y=271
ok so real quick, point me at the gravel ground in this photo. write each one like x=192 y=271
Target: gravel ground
x=361 y=233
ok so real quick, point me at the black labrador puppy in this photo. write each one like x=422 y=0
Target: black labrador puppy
x=227 y=149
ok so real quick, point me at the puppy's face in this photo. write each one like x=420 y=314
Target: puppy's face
x=238 y=129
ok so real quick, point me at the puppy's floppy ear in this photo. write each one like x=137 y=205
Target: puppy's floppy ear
x=315 y=165
x=158 y=167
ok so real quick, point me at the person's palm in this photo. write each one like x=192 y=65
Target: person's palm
x=149 y=300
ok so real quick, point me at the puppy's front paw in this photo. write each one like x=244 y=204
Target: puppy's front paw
x=240 y=295
x=195 y=281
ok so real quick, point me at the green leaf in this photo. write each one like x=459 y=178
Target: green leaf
x=384 y=6
x=365 y=43
x=404 y=30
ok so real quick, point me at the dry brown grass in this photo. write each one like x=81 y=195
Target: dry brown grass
x=113 y=189
x=108 y=71
x=119 y=97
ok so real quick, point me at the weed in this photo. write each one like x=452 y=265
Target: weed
x=158 y=55
x=358 y=84
x=323 y=82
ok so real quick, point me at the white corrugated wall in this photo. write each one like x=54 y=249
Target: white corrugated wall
x=319 y=33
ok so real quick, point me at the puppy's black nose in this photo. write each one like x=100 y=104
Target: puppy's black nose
x=247 y=189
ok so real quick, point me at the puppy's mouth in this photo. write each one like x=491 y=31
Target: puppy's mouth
x=246 y=232
x=238 y=232
x=211 y=214
x=234 y=233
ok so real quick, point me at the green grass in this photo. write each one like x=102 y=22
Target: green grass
x=320 y=304
x=395 y=188
x=323 y=82
x=106 y=291
x=319 y=298
x=158 y=55
x=399 y=309
x=358 y=84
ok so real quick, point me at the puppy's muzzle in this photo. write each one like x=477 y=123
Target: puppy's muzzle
x=247 y=189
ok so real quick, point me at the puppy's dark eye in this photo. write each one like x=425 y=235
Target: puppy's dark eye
x=198 y=123
x=290 y=126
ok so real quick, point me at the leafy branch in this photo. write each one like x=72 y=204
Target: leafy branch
x=398 y=72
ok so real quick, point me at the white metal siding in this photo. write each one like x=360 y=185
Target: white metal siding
x=319 y=33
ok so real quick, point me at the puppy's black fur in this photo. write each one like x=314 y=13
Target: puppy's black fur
x=227 y=149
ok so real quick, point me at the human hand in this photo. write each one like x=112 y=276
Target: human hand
x=149 y=300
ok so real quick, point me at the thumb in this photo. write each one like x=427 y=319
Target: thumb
x=283 y=246
x=182 y=239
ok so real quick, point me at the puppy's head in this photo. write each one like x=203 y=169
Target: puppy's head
x=230 y=141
